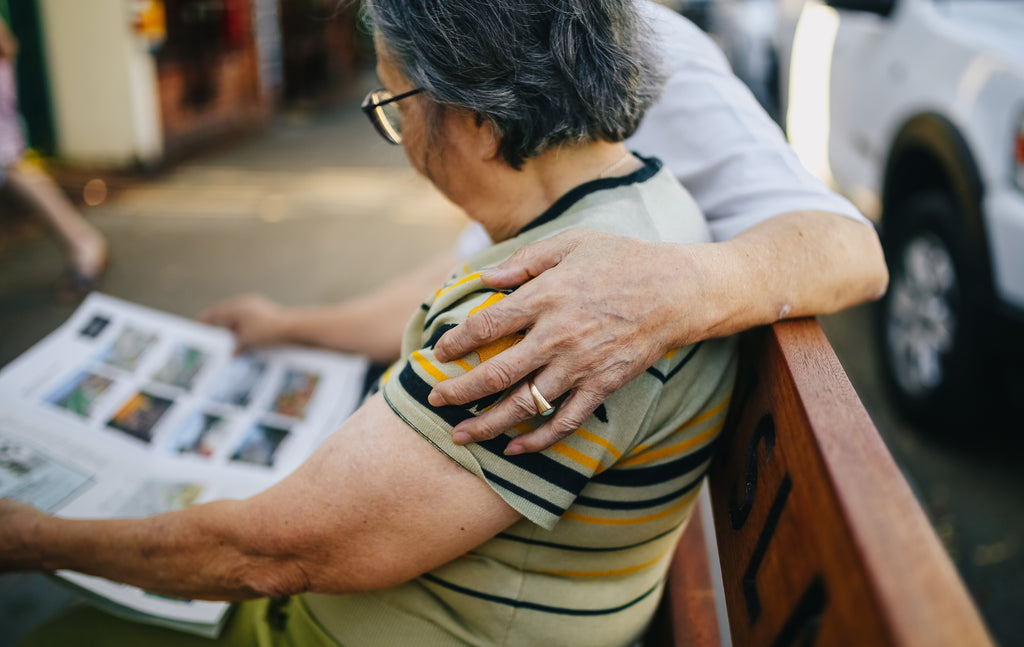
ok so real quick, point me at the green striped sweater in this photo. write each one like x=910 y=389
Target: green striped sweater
x=602 y=509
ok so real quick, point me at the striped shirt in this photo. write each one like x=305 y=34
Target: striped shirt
x=602 y=509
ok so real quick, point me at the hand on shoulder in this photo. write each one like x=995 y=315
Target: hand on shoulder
x=596 y=312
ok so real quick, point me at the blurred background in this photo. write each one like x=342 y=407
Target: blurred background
x=219 y=147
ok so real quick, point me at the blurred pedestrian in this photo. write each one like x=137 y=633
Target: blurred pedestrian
x=86 y=246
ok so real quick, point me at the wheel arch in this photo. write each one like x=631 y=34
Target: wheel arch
x=930 y=153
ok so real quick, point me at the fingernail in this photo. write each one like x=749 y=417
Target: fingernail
x=436 y=399
x=461 y=438
x=513 y=450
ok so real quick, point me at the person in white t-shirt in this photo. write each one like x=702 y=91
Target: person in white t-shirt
x=600 y=309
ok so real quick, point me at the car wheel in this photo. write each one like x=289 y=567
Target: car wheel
x=930 y=318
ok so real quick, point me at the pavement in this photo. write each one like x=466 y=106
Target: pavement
x=316 y=208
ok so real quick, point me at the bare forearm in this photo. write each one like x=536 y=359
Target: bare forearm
x=201 y=553
x=793 y=265
x=373 y=324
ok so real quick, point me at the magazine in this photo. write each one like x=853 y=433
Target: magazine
x=125 y=411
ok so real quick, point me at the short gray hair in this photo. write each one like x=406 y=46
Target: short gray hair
x=544 y=72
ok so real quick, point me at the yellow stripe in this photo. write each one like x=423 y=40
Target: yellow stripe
x=463 y=364
x=606 y=521
x=387 y=375
x=428 y=367
x=671 y=353
x=491 y=300
x=699 y=439
x=576 y=456
x=594 y=438
x=710 y=413
x=466 y=279
x=619 y=571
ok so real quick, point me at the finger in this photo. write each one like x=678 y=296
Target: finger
x=220 y=318
x=530 y=261
x=493 y=376
x=514 y=408
x=219 y=314
x=209 y=315
x=504 y=318
x=569 y=417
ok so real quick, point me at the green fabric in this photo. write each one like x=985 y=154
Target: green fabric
x=603 y=508
x=85 y=626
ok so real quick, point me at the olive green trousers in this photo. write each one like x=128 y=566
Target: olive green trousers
x=257 y=623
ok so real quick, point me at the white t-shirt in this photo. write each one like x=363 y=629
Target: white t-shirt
x=716 y=139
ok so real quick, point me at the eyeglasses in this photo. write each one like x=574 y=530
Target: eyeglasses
x=380 y=108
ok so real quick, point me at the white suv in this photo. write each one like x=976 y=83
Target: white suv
x=914 y=109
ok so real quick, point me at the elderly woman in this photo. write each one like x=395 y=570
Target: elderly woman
x=391 y=533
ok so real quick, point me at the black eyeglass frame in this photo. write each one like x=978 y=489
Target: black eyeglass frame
x=372 y=108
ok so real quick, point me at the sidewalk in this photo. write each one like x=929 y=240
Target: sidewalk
x=315 y=209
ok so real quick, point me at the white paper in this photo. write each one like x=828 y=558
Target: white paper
x=125 y=411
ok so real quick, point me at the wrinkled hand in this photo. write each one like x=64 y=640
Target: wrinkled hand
x=15 y=520
x=596 y=312
x=254 y=320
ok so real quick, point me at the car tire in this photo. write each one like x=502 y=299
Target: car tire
x=930 y=319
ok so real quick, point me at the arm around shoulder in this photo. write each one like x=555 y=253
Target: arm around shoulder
x=796 y=264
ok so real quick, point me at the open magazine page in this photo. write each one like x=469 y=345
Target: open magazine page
x=125 y=411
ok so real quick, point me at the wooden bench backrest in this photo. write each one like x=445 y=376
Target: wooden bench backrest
x=820 y=539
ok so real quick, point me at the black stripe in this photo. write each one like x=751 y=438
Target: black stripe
x=583 y=549
x=537 y=500
x=537 y=464
x=609 y=504
x=478 y=406
x=686 y=360
x=644 y=476
x=436 y=335
x=415 y=386
x=433 y=318
x=650 y=168
x=540 y=465
x=522 y=604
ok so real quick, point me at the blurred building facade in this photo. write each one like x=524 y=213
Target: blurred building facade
x=124 y=83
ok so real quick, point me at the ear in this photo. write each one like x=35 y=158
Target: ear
x=488 y=138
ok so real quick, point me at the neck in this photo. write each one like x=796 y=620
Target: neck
x=510 y=199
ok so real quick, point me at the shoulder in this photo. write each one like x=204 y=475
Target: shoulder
x=682 y=44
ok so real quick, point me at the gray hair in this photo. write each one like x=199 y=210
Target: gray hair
x=543 y=72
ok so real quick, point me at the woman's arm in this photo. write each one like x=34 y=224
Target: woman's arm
x=375 y=506
x=370 y=325
x=601 y=309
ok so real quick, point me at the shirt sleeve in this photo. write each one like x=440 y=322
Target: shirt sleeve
x=716 y=139
x=541 y=486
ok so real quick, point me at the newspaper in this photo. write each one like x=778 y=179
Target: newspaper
x=125 y=411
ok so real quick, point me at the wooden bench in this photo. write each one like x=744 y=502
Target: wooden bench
x=819 y=537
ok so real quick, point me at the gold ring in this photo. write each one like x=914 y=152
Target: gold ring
x=544 y=407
